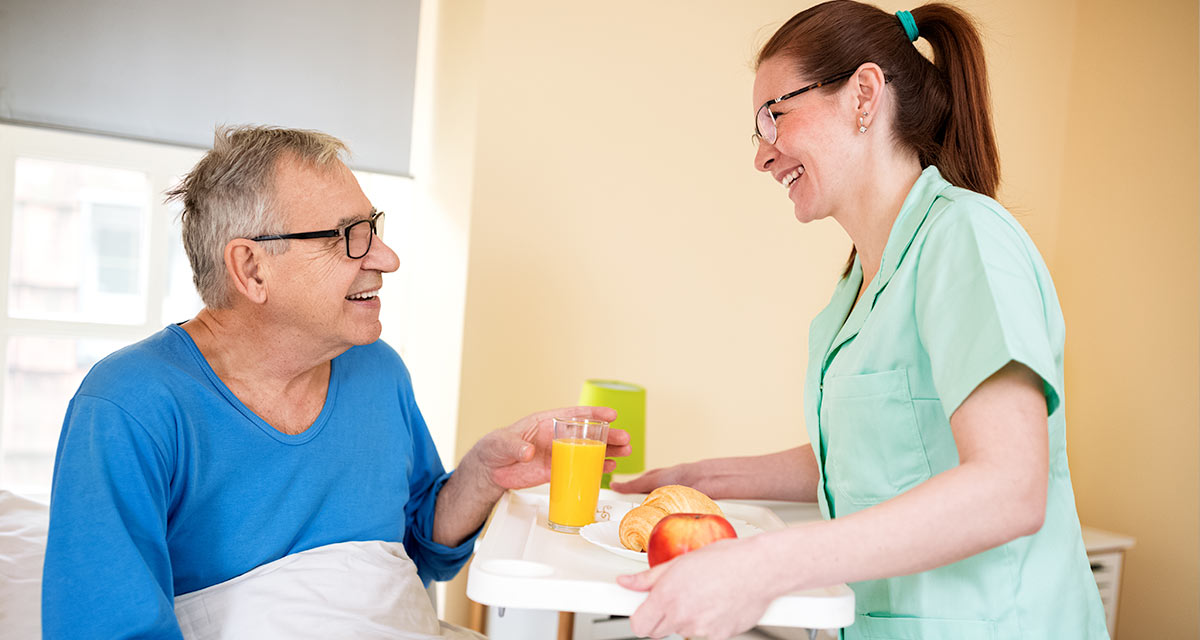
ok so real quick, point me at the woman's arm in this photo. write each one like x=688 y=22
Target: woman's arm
x=996 y=494
x=786 y=475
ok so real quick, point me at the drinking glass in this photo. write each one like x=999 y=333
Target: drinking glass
x=576 y=464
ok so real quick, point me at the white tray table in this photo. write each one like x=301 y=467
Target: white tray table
x=520 y=563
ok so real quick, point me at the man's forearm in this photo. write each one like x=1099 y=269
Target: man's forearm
x=464 y=502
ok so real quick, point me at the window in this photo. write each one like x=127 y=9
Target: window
x=92 y=261
x=79 y=235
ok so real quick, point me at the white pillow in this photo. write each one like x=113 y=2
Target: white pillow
x=23 y=525
x=345 y=590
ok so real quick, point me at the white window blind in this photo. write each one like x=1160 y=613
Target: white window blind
x=171 y=70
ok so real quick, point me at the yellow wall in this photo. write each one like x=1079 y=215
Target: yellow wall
x=617 y=229
x=1126 y=270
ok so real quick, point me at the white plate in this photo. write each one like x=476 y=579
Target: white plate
x=605 y=535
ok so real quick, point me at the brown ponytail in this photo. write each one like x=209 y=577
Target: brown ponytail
x=943 y=107
x=967 y=156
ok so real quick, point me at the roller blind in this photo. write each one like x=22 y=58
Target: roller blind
x=170 y=71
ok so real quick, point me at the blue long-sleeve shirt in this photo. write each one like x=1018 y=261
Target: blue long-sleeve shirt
x=165 y=483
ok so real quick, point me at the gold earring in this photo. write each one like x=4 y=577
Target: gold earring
x=862 y=127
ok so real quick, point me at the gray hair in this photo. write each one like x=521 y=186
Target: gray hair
x=230 y=194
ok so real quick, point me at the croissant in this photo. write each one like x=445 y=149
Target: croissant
x=636 y=526
x=634 y=530
x=676 y=498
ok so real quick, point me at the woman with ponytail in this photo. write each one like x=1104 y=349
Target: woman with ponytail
x=934 y=395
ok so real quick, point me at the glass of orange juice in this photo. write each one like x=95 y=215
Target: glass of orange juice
x=576 y=464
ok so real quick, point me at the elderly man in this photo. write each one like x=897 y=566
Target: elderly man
x=272 y=423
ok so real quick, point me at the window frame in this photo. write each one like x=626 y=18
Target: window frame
x=162 y=165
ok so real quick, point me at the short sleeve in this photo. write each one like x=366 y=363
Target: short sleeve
x=980 y=303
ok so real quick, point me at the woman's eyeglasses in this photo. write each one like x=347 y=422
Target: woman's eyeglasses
x=764 y=120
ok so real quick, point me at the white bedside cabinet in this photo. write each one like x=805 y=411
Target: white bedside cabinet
x=1106 y=552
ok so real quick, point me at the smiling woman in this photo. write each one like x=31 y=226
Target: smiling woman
x=934 y=387
x=714 y=276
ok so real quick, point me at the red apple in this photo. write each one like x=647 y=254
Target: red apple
x=679 y=533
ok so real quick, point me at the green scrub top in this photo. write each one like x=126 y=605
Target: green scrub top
x=961 y=292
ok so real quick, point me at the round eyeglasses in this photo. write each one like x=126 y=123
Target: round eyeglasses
x=358 y=235
x=764 y=119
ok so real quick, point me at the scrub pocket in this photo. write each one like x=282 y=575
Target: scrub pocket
x=878 y=627
x=874 y=449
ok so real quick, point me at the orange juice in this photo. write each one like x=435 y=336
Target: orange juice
x=575 y=468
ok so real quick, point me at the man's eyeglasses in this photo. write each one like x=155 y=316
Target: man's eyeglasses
x=764 y=120
x=358 y=235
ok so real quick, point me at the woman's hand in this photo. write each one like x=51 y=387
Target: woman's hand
x=785 y=475
x=716 y=592
x=684 y=474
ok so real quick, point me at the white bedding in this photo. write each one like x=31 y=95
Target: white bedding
x=347 y=590
x=22 y=548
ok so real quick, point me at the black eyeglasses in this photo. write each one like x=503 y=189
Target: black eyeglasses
x=358 y=235
x=764 y=119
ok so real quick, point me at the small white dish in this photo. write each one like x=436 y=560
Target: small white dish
x=605 y=535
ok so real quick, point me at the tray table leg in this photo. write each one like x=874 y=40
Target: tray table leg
x=566 y=625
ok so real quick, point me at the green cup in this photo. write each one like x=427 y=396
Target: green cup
x=630 y=402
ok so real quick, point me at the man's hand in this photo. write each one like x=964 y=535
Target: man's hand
x=518 y=456
x=515 y=457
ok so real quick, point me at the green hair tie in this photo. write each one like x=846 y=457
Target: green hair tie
x=910 y=25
